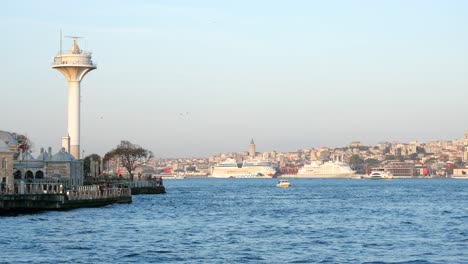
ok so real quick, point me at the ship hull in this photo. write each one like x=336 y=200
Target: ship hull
x=319 y=176
x=241 y=176
x=257 y=169
x=244 y=173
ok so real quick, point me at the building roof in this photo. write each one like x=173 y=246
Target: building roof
x=4 y=147
x=28 y=156
x=43 y=156
x=8 y=138
x=62 y=155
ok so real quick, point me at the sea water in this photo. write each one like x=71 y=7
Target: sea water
x=252 y=221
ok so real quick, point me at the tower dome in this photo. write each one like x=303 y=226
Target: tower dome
x=62 y=155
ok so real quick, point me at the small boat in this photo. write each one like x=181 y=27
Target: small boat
x=283 y=184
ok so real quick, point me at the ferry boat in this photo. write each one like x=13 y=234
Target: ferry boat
x=331 y=169
x=251 y=168
x=379 y=174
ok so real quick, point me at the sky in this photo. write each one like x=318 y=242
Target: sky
x=199 y=78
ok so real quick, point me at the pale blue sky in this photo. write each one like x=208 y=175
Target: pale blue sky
x=290 y=74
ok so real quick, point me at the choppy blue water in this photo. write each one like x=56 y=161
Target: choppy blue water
x=252 y=221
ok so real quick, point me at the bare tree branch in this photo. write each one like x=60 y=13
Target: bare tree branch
x=130 y=156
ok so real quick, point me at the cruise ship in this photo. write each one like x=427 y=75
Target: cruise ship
x=252 y=168
x=331 y=169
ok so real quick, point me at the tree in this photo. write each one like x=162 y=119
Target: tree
x=23 y=142
x=371 y=163
x=459 y=163
x=363 y=148
x=355 y=160
x=129 y=155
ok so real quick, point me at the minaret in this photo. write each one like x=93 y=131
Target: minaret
x=252 y=148
x=73 y=64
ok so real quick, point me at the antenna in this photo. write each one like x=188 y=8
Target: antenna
x=60 y=50
x=60 y=46
x=73 y=37
x=74 y=49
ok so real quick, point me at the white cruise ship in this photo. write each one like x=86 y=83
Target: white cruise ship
x=324 y=170
x=249 y=169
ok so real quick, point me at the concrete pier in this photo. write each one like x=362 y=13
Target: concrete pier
x=28 y=198
x=148 y=190
x=152 y=186
x=146 y=187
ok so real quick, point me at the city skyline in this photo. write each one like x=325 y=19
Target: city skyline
x=195 y=79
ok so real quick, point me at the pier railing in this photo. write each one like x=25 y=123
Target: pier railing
x=97 y=192
x=138 y=184
x=79 y=193
x=61 y=62
x=42 y=187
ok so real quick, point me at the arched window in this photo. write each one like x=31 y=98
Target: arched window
x=17 y=175
x=29 y=175
x=39 y=175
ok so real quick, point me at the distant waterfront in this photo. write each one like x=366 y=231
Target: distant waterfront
x=252 y=221
x=440 y=158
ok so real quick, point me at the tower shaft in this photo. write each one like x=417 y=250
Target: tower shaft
x=74 y=117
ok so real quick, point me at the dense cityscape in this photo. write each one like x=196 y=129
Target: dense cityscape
x=438 y=158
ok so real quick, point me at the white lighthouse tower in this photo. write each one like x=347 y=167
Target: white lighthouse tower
x=73 y=64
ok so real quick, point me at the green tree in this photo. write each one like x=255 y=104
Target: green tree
x=371 y=163
x=355 y=160
x=129 y=155
x=459 y=163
